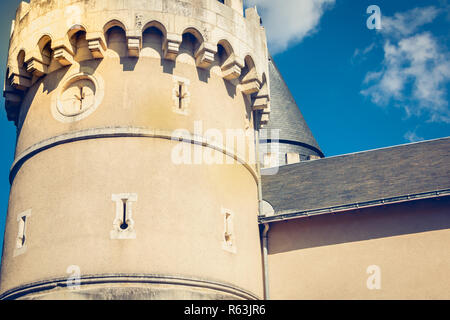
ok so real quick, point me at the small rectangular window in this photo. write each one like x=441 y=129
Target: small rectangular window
x=123 y=223
x=22 y=238
x=229 y=241
x=181 y=95
x=292 y=157
x=21 y=233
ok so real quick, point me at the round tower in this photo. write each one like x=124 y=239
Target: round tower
x=125 y=183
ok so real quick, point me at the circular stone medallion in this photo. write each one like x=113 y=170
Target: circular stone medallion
x=78 y=97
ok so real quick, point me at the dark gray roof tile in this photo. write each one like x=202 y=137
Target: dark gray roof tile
x=360 y=177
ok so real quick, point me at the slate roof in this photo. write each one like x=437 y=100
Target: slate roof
x=417 y=170
x=285 y=114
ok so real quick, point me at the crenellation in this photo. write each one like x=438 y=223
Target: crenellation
x=171 y=45
x=60 y=35
x=205 y=55
x=36 y=67
x=236 y=5
x=211 y=21
x=134 y=46
x=63 y=56
x=22 y=10
x=13 y=99
x=232 y=67
x=20 y=82
x=63 y=34
x=261 y=99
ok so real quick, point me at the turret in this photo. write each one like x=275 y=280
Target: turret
x=120 y=173
x=286 y=138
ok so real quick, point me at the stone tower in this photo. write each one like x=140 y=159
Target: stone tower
x=118 y=106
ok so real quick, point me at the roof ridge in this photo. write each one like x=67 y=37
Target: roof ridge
x=384 y=148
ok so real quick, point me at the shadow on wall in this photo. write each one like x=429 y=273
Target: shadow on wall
x=359 y=225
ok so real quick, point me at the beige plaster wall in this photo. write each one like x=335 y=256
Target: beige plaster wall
x=326 y=257
x=178 y=219
x=141 y=96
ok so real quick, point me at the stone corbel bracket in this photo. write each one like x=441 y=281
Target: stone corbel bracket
x=231 y=68
x=134 y=46
x=204 y=56
x=171 y=46
x=36 y=67
x=63 y=55
x=251 y=83
x=261 y=99
x=96 y=45
x=19 y=79
x=13 y=100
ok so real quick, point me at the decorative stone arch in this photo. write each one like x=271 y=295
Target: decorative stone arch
x=17 y=75
x=261 y=100
x=114 y=23
x=44 y=39
x=40 y=59
x=230 y=64
x=227 y=47
x=75 y=29
x=154 y=35
x=250 y=81
x=8 y=79
x=155 y=24
x=264 y=78
x=115 y=34
x=45 y=48
x=264 y=85
x=8 y=73
x=73 y=35
x=197 y=35
x=195 y=32
x=21 y=65
x=250 y=62
x=13 y=98
x=203 y=51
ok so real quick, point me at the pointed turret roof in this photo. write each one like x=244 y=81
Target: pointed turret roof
x=285 y=114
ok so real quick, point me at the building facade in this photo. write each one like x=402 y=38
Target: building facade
x=142 y=127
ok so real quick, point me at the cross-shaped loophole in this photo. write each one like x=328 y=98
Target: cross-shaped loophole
x=81 y=97
x=181 y=95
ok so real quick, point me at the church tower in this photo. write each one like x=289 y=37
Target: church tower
x=126 y=183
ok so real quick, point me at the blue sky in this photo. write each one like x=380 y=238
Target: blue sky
x=361 y=89
x=358 y=89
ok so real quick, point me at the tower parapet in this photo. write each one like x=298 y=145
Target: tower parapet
x=43 y=38
x=100 y=183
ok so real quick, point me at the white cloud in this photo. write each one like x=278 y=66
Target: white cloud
x=287 y=22
x=415 y=70
x=361 y=55
x=407 y=23
x=411 y=136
